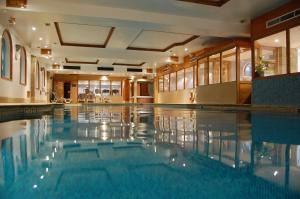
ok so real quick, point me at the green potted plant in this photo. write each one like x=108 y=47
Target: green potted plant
x=261 y=67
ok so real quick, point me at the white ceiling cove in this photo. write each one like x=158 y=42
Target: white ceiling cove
x=109 y=30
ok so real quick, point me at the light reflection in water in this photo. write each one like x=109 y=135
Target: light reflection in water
x=256 y=145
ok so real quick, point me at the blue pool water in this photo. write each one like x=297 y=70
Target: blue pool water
x=146 y=152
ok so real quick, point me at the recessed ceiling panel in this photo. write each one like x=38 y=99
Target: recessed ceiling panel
x=149 y=40
x=81 y=61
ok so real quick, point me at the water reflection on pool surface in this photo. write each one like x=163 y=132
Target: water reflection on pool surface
x=147 y=152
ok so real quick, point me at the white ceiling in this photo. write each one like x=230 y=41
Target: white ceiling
x=138 y=23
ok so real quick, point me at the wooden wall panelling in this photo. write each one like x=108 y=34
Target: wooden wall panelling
x=126 y=90
x=258 y=25
x=74 y=91
x=244 y=93
x=288 y=51
x=144 y=89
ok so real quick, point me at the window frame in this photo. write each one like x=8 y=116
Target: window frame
x=10 y=78
x=25 y=69
x=288 y=63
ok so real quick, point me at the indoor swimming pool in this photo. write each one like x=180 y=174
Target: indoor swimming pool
x=150 y=152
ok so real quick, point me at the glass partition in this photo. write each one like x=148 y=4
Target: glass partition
x=83 y=86
x=105 y=88
x=229 y=65
x=116 y=88
x=214 y=69
x=270 y=56
x=295 y=49
x=173 y=81
x=245 y=64
x=189 y=78
x=95 y=87
x=166 y=83
x=180 y=80
x=202 y=72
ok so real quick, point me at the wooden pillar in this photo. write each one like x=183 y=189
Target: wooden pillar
x=238 y=74
x=125 y=90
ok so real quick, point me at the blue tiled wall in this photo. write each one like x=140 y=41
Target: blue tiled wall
x=283 y=90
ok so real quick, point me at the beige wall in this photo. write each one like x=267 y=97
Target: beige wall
x=224 y=93
x=11 y=91
x=174 y=97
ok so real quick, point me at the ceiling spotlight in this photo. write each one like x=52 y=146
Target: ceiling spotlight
x=40 y=38
x=174 y=54
x=104 y=78
x=33 y=28
x=276 y=40
x=186 y=49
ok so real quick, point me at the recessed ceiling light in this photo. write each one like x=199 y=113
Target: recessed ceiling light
x=40 y=38
x=186 y=49
x=33 y=28
x=174 y=54
x=276 y=40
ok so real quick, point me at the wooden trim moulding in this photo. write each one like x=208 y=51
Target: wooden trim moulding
x=166 y=48
x=82 y=44
x=16 y=3
x=81 y=62
x=207 y=2
x=127 y=64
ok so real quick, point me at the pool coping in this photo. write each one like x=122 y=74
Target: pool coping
x=211 y=107
x=17 y=111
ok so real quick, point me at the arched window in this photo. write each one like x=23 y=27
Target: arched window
x=23 y=66
x=6 y=56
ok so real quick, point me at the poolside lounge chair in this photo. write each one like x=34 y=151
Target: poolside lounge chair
x=56 y=99
x=81 y=98
x=91 y=98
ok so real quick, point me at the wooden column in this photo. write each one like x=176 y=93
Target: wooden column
x=126 y=90
x=238 y=74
